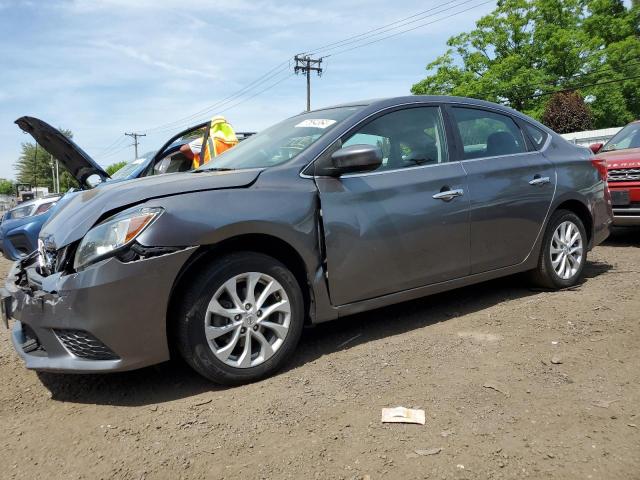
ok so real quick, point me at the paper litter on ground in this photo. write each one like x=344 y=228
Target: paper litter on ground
x=402 y=415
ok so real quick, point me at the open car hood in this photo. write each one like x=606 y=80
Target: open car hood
x=80 y=165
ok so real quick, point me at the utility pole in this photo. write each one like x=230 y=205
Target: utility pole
x=135 y=141
x=306 y=64
x=35 y=169
x=53 y=174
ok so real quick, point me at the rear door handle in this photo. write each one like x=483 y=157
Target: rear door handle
x=449 y=195
x=538 y=180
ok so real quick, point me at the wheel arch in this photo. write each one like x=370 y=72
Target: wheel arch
x=582 y=211
x=250 y=242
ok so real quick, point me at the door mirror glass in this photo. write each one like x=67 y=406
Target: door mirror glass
x=355 y=158
x=595 y=147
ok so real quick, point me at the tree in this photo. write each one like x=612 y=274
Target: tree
x=114 y=167
x=7 y=187
x=525 y=50
x=35 y=166
x=566 y=112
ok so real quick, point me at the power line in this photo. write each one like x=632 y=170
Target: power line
x=388 y=27
x=354 y=40
x=409 y=29
x=250 y=86
x=285 y=65
x=258 y=93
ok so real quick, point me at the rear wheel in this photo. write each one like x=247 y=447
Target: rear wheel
x=564 y=252
x=240 y=319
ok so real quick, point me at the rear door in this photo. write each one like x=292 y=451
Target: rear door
x=384 y=230
x=511 y=186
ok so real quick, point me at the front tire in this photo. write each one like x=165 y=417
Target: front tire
x=564 y=252
x=240 y=319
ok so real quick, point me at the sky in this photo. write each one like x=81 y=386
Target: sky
x=104 y=67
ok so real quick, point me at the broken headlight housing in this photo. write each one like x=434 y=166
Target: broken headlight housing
x=113 y=235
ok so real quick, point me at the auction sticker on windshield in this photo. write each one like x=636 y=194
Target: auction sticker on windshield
x=315 y=123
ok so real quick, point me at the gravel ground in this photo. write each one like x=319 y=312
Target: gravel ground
x=515 y=382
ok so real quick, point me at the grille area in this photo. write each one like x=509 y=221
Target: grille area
x=624 y=175
x=84 y=345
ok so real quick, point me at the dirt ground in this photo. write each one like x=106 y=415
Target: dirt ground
x=516 y=383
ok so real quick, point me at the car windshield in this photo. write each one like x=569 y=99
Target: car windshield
x=628 y=137
x=281 y=142
x=20 y=212
x=129 y=168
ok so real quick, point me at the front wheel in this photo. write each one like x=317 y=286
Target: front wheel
x=564 y=252
x=240 y=319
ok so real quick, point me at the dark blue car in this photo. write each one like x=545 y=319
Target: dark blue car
x=21 y=225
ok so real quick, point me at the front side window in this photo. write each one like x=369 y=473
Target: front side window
x=487 y=134
x=409 y=137
x=628 y=137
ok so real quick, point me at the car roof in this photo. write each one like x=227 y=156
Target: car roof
x=379 y=103
x=390 y=101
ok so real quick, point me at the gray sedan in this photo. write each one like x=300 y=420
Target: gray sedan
x=328 y=213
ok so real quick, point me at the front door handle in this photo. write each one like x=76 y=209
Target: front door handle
x=449 y=195
x=538 y=180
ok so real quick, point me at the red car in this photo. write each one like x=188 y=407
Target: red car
x=622 y=157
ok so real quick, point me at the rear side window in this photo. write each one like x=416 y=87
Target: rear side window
x=537 y=136
x=487 y=134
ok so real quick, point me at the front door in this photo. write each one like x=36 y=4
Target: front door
x=511 y=187
x=404 y=225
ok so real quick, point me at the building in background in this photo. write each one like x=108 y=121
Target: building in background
x=589 y=137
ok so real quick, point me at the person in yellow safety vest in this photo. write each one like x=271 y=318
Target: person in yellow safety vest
x=220 y=138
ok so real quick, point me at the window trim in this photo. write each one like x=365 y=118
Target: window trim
x=458 y=138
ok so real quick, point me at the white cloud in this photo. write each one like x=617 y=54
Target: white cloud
x=178 y=68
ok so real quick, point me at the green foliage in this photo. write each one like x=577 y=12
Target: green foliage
x=566 y=112
x=7 y=187
x=114 y=167
x=34 y=166
x=525 y=50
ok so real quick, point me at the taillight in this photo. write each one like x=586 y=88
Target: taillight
x=600 y=165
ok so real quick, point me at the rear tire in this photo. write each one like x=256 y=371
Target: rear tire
x=563 y=252
x=240 y=319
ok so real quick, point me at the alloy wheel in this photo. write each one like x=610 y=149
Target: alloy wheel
x=247 y=319
x=566 y=250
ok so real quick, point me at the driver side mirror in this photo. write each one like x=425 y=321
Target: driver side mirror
x=595 y=147
x=354 y=158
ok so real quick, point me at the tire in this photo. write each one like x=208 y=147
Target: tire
x=208 y=309
x=546 y=274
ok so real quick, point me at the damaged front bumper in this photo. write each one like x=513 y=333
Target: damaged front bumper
x=109 y=317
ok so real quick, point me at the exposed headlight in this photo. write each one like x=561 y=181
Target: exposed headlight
x=113 y=234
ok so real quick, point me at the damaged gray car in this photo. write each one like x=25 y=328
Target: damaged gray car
x=326 y=214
